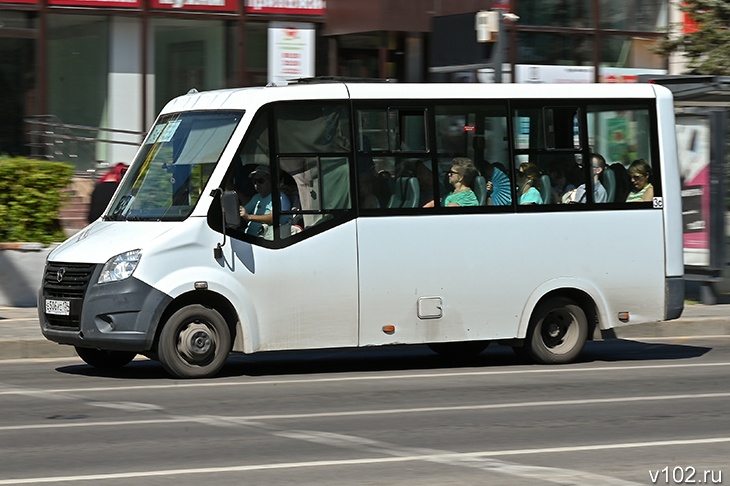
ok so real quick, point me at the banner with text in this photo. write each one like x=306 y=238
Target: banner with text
x=291 y=51
x=98 y=3
x=286 y=7
x=202 y=5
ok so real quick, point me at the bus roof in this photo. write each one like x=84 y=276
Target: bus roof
x=251 y=98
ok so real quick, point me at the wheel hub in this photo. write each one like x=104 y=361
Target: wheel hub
x=555 y=328
x=196 y=342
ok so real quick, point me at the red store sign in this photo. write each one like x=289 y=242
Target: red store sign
x=207 y=5
x=286 y=7
x=98 y=3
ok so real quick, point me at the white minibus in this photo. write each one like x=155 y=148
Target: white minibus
x=331 y=213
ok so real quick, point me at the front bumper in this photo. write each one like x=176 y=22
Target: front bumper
x=117 y=316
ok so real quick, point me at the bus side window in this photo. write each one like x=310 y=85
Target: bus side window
x=391 y=161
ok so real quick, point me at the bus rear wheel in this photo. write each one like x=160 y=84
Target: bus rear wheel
x=194 y=343
x=108 y=360
x=558 y=331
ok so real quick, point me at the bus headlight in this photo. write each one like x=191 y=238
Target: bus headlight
x=120 y=267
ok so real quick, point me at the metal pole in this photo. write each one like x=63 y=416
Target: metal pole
x=498 y=58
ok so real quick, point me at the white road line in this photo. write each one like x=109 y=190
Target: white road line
x=371 y=377
x=562 y=476
x=353 y=413
x=362 y=461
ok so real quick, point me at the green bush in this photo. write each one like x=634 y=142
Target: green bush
x=31 y=195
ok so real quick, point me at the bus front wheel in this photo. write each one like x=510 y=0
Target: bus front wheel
x=558 y=331
x=108 y=360
x=194 y=342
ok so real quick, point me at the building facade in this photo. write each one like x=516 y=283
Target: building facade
x=112 y=64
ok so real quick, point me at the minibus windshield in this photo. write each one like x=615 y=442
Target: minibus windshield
x=173 y=166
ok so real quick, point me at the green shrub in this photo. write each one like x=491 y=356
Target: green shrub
x=31 y=195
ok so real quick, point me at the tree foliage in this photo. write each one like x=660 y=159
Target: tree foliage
x=708 y=47
x=31 y=195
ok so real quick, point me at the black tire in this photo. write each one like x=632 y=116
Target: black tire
x=558 y=331
x=194 y=342
x=107 y=360
x=461 y=349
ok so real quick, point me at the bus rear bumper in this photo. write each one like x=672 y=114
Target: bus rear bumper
x=674 y=297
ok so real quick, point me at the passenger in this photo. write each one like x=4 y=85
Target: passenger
x=528 y=180
x=365 y=185
x=257 y=212
x=598 y=165
x=640 y=174
x=560 y=185
x=461 y=177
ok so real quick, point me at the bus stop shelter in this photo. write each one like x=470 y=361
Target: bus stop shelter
x=702 y=104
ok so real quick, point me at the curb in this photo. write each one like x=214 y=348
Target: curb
x=33 y=349
x=682 y=328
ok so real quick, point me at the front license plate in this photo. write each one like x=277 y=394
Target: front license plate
x=58 y=307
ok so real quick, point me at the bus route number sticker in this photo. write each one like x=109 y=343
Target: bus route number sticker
x=658 y=203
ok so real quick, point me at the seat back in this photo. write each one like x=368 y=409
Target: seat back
x=608 y=179
x=411 y=192
x=546 y=189
x=405 y=193
x=480 y=190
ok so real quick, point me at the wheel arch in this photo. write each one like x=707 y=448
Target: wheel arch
x=206 y=298
x=580 y=296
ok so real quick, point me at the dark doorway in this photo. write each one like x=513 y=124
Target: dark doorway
x=17 y=93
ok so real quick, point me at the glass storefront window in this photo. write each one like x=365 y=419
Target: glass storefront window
x=555 y=48
x=17 y=81
x=257 y=52
x=629 y=52
x=17 y=20
x=556 y=13
x=636 y=15
x=78 y=71
x=187 y=54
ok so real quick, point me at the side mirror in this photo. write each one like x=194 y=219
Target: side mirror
x=231 y=211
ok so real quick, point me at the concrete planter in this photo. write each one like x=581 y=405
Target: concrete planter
x=21 y=272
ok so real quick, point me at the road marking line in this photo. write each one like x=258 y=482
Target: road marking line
x=562 y=476
x=373 y=377
x=395 y=411
x=363 y=461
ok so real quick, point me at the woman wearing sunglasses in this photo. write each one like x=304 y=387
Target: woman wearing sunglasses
x=640 y=174
x=461 y=177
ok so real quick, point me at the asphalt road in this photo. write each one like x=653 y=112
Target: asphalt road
x=628 y=413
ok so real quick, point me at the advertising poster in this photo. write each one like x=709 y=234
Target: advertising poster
x=618 y=144
x=291 y=51
x=286 y=7
x=693 y=141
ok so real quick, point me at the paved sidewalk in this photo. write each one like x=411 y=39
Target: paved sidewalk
x=20 y=334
